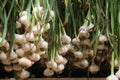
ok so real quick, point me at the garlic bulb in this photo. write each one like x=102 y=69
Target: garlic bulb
x=24 y=74
x=20 y=38
x=94 y=68
x=17 y=67
x=86 y=42
x=59 y=68
x=8 y=68
x=52 y=14
x=102 y=38
x=15 y=60
x=31 y=37
x=23 y=13
x=84 y=33
x=58 y=59
x=25 y=62
x=37 y=9
x=33 y=47
x=90 y=53
x=26 y=47
x=6 y=62
x=112 y=77
x=47 y=27
x=63 y=50
x=34 y=57
x=64 y=61
x=5 y=44
x=118 y=73
x=36 y=29
x=3 y=56
x=76 y=41
x=65 y=39
x=41 y=52
x=48 y=72
x=24 y=20
x=20 y=52
x=78 y=54
x=18 y=24
x=42 y=44
x=13 y=55
x=84 y=63
x=100 y=46
x=116 y=63
x=51 y=64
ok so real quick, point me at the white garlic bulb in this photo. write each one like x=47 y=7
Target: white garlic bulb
x=48 y=72
x=23 y=74
x=13 y=55
x=25 y=62
x=8 y=68
x=20 y=38
x=20 y=52
x=31 y=37
x=3 y=55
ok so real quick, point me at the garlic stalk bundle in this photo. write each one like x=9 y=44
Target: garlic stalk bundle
x=25 y=62
x=23 y=74
x=3 y=55
x=65 y=39
x=8 y=68
x=94 y=68
x=48 y=72
x=112 y=77
x=20 y=38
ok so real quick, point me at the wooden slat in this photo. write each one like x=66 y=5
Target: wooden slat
x=62 y=79
x=67 y=79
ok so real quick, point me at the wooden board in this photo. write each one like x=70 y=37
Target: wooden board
x=62 y=79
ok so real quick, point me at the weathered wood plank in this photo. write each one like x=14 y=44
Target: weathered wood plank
x=62 y=79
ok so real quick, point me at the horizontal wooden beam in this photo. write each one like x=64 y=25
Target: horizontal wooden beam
x=62 y=79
